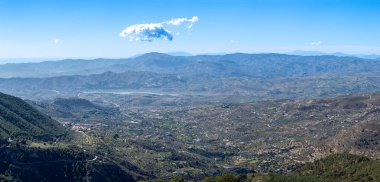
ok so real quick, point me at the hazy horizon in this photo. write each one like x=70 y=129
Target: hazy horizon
x=179 y=53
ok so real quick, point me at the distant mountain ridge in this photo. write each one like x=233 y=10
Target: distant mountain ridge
x=264 y=76
x=266 y=65
x=106 y=80
x=318 y=53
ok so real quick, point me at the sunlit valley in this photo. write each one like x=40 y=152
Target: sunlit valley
x=151 y=113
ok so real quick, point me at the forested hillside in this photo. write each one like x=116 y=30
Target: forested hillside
x=19 y=119
x=34 y=147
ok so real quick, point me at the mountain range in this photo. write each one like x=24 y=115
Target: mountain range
x=261 y=76
x=318 y=53
x=239 y=64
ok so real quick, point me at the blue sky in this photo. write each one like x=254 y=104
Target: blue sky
x=91 y=28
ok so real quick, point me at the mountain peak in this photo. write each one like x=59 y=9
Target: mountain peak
x=154 y=55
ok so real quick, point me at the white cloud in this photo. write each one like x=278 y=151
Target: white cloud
x=317 y=43
x=146 y=32
x=151 y=31
x=178 y=21
x=56 y=41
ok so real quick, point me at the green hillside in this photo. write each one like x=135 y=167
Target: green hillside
x=335 y=168
x=28 y=153
x=19 y=119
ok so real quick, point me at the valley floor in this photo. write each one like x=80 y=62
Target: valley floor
x=199 y=140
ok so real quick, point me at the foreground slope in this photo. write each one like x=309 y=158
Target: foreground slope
x=34 y=147
x=19 y=119
x=335 y=168
x=33 y=164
